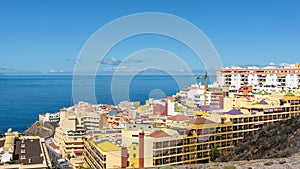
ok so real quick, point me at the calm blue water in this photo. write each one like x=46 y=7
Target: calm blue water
x=22 y=98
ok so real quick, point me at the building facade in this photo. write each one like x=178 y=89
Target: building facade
x=287 y=77
x=190 y=140
x=197 y=95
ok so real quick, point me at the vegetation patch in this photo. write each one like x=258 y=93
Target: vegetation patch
x=229 y=167
x=215 y=153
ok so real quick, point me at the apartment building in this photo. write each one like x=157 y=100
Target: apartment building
x=72 y=147
x=111 y=135
x=67 y=123
x=195 y=95
x=91 y=120
x=287 y=77
x=28 y=152
x=49 y=117
x=102 y=155
x=69 y=135
x=102 y=148
x=146 y=146
x=68 y=138
x=189 y=140
x=248 y=115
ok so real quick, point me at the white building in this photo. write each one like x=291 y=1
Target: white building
x=194 y=95
x=287 y=77
x=51 y=117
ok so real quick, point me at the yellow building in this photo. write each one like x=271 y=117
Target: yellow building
x=102 y=155
x=250 y=115
x=145 y=146
x=190 y=140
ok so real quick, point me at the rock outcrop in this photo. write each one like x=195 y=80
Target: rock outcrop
x=38 y=129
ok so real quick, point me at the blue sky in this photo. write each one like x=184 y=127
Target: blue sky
x=44 y=36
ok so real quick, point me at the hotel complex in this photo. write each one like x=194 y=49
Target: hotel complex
x=266 y=78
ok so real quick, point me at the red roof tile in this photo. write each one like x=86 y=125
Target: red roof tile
x=180 y=117
x=52 y=144
x=158 y=133
x=200 y=120
x=159 y=109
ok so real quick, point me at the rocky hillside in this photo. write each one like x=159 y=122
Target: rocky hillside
x=279 y=140
x=38 y=129
x=272 y=163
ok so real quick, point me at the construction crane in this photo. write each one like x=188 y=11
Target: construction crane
x=204 y=77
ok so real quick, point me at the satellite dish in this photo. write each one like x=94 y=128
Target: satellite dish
x=5 y=158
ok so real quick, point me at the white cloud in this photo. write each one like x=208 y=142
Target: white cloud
x=110 y=61
x=271 y=63
x=284 y=65
x=55 y=71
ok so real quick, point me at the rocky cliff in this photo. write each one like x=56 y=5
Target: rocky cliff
x=38 y=129
x=279 y=140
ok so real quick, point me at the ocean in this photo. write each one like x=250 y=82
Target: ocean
x=22 y=98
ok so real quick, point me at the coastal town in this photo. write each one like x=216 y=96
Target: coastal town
x=186 y=128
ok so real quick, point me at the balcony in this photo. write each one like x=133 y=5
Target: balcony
x=157 y=145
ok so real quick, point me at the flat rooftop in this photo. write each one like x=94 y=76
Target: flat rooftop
x=26 y=152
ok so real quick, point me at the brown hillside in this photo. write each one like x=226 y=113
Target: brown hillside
x=281 y=139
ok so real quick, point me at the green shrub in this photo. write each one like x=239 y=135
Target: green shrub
x=286 y=153
x=229 y=167
x=68 y=156
x=215 y=153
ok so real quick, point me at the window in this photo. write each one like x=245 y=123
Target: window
x=134 y=155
